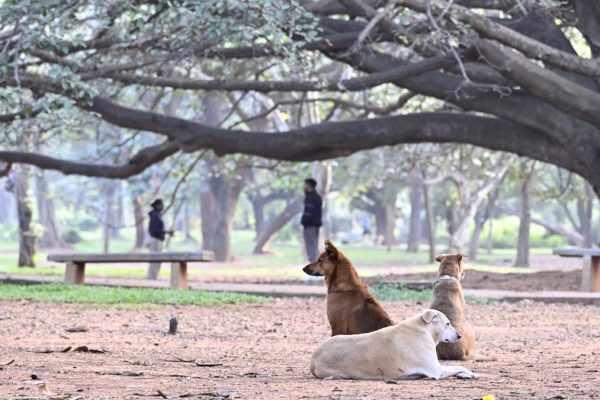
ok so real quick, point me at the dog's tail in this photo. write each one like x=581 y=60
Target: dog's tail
x=479 y=358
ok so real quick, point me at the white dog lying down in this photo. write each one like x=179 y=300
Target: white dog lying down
x=402 y=351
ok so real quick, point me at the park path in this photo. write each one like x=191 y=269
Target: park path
x=305 y=290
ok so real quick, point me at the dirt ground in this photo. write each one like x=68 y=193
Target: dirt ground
x=263 y=352
x=535 y=281
x=543 y=280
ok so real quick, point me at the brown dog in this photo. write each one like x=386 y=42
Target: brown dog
x=448 y=297
x=351 y=309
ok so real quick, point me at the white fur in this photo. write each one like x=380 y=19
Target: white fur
x=396 y=352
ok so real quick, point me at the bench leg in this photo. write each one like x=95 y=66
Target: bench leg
x=595 y=274
x=590 y=275
x=75 y=273
x=179 y=277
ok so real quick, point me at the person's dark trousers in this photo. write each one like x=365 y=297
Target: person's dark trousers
x=311 y=240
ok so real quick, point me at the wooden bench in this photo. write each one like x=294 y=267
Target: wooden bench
x=75 y=271
x=590 y=276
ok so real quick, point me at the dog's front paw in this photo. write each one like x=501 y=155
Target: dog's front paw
x=467 y=375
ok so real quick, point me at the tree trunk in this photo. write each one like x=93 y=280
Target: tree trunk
x=227 y=192
x=383 y=211
x=470 y=203
x=322 y=172
x=274 y=225
x=381 y=221
x=481 y=217
x=490 y=238
x=430 y=223
x=414 y=232
x=107 y=219
x=138 y=217
x=585 y=211
x=20 y=188
x=208 y=207
x=258 y=210
x=460 y=236
x=390 y=215
x=522 y=259
x=50 y=238
x=117 y=213
x=185 y=228
x=7 y=211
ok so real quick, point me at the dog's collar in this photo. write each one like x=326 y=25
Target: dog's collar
x=446 y=278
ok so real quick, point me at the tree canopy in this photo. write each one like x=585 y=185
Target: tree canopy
x=511 y=75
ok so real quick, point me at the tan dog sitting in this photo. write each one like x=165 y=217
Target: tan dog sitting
x=351 y=309
x=448 y=297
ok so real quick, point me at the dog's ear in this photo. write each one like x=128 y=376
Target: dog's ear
x=429 y=315
x=440 y=258
x=459 y=257
x=332 y=252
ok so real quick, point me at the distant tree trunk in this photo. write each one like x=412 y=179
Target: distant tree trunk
x=20 y=188
x=381 y=221
x=390 y=215
x=185 y=228
x=414 y=232
x=258 y=210
x=117 y=209
x=208 y=207
x=322 y=172
x=7 y=210
x=470 y=201
x=522 y=259
x=585 y=210
x=274 y=225
x=174 y=218
x=430 y=223
x=107 y=219
x=460 y=236
x=490 y=237
x=138 y=218
x=227 y=192
x=50 y=238
x=481 y=217
x=384 y=208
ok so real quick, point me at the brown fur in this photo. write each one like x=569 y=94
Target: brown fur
x=448 y=297
x=351 y=309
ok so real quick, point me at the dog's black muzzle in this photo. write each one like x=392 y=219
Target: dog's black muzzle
x=310 y=272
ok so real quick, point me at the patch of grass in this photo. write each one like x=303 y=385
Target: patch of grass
x=120 y=296
x=399 y=292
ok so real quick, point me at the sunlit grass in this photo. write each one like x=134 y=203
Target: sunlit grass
x=286 y=259
x=120 y=296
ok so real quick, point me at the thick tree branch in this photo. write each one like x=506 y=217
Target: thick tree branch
x=336 y=139
x=558 y=91
x=493 y=30
x=137 y=164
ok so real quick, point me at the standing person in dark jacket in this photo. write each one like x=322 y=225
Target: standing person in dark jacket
x=157 y=232
x=311 y=219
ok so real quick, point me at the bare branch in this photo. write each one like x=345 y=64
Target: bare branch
x=354 y=84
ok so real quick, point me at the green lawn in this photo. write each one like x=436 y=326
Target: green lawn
x=399 y=292
x=286 y=259
x=120 y=296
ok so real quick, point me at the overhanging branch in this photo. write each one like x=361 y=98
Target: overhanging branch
x=137 y=164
